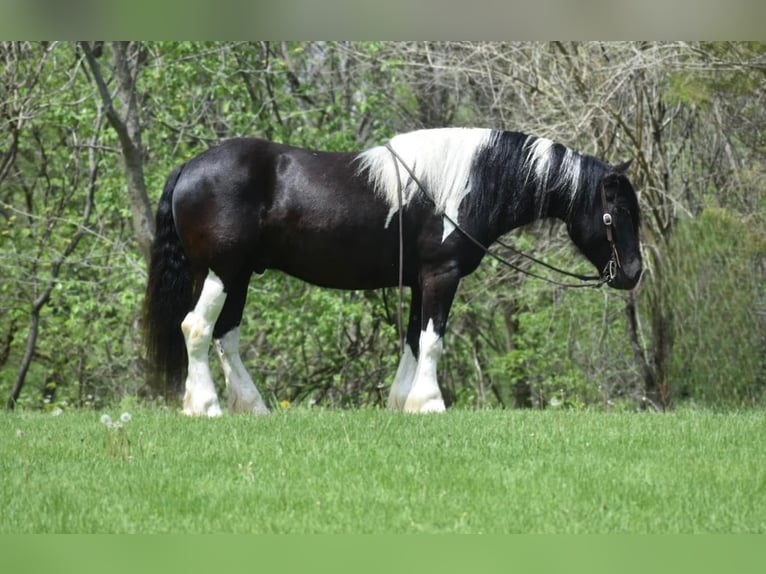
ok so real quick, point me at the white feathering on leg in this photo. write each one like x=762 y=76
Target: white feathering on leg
x=243 y=394
x=200 y=397
x=424 y=395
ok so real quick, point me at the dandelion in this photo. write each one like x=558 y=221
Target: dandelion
x=116 y=440
x=246 y=471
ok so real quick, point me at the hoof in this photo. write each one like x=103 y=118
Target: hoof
x=254 y=406
x=209 y=408
x=429 y=406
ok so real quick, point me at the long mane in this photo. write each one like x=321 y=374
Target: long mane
x=442 y=159
x=495 y=167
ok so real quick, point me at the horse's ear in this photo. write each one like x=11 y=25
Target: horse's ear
x=623 y=167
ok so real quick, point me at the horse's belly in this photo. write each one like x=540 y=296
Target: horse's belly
x=340 y=269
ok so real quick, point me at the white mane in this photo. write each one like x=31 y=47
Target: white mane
x=539 y=165
x=440 y=158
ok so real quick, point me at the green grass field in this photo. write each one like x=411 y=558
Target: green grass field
x=372 y=471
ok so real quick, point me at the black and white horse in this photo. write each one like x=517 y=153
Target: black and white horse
x=332 y=219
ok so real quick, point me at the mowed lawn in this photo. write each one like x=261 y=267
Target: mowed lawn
x=372 y=471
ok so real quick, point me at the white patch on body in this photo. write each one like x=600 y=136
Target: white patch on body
x=243 y=394
x=424 y=395
x=441 y=160
x=200 y=397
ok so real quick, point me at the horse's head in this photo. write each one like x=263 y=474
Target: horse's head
x=604 y=226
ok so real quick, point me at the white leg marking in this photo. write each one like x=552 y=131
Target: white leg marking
x=402 y=384
x=200 y=397
x=243 y=394
x=425 y=396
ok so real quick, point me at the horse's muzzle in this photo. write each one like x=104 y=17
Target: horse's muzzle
x=627 y=276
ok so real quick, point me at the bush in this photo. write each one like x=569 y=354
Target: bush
x=716 y=289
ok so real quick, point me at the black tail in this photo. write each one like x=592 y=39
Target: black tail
x=168 y=298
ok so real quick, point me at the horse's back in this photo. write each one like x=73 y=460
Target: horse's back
x=243 y=172
x=258 y=204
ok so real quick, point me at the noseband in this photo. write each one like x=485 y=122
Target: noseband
x=610 y=271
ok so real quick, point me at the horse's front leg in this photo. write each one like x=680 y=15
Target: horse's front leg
x=408 y=364
x=438 y=287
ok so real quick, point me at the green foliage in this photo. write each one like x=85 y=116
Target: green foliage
x=84 y=352
x=699 y=144
x=714 y=68
x=310 y=345
x=716 y=285
x=569 y=349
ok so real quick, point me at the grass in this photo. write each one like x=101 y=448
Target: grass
x=371 y=471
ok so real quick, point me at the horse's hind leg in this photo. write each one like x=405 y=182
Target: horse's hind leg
x=200 y=397
x=242 y=393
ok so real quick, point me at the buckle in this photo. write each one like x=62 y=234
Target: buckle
x=611 y=268
x=607 y=219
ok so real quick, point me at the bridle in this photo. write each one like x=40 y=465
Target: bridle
x=607 y=275
x=610 y=271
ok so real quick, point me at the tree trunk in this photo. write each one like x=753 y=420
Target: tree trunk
x=26 y=361
x=128 y=128
x=653 y=373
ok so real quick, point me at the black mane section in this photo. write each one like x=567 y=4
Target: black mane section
x=494 y=189
x=514 y=183
x=592 y=171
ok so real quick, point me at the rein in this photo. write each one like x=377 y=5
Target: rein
x=609 y=273
x=400 y=304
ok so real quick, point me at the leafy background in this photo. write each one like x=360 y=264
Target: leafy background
x=91 y=130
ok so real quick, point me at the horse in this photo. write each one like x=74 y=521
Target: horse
x=417 y=211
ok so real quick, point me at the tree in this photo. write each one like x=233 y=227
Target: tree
x=35 y=174
x=126 y=60
x=690 y=114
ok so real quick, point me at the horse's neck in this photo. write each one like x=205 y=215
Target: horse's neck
x=525 y=203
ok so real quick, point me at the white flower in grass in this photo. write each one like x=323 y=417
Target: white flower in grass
x=106 y=419
x=57 y=412
x=125 y=417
